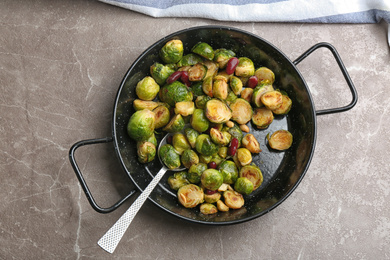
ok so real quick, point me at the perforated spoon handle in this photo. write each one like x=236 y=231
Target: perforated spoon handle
x=111 y=239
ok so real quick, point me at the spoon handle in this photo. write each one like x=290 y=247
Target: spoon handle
x=111 y=239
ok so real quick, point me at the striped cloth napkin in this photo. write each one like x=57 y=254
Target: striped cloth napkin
x=303 y=11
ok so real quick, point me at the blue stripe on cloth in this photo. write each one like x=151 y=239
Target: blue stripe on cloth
x=370 y=16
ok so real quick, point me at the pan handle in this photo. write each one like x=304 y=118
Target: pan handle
x=81 y=179
x=343 y=70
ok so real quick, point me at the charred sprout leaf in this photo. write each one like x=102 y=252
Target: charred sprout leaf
x=141 y=125
x=285 y=107
x=185 y=108
x=189 y=157
x=244 y=156
x=204 y=49
x=197 y=72
x=272 y=99
x=265 y=75
x=252 y=173
x=208 y=209
x=147 y=88
x=258 y=92
x=175 y=92
x=233 y=199
x=160 y=72
x=243 y=186
x=241 y=111
x=139 y=104
x=172 y=51
x=220 y=87
x=180 y=143
x=195 y=172
x=229 y=171
x=217 y=111
x=205 y=146
x=190 y=195
x=178 y=180
x=176 y=124
x=250 y=142
x=280 y=140
x=211 y=179
x=262 y=117
x=161 y=116
x=146 y=151
x=222 y=56
x=189 y=60
x=245 y=67
x=236 y=85
x=191 y=135
x=169 y=156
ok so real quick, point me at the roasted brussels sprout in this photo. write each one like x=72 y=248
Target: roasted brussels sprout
x=280 y=140
x=205 y=146
x=250 y=142
x=220 y=87
x=141 y=125
x=233 y=199
x=222 y=206
x=189 y=60
x=272 y=99
x=197 y=89
x=178 y=180
x=247 y=94
x=200 y=101
x=190 y=195
x=176 y=124
x=205 y=158
x=139 y=104
x=285 y=107
x=161 y=116
x=241 y=111
x=191 y=135
x=147 y=88
x=175 y=92
x=220 y=138
x=189 y=157
x=222 y=56
x=229 y=171
x=252 y=173
x=216 y=159
x=258 y=92
x=195 y=172
x=231 y=97
x=244 y=156
x=212 y=68
x=245 y=67
x=169 y=156
x=236 y=132
x=265 y=75
x=208 y=209
x=172 y=51
x=160 y=72
x=262 y=117
x=185 y=108
x=203 y=49
x=207 y=86
x=180 y=143
x=217 y=111
x=152 y=139
x=197 y=72
x=243 y=186
x=223 y=151
x=199 y=121
x=211 y=179
x=146 y=151
x=213 y=197
x=235 y=84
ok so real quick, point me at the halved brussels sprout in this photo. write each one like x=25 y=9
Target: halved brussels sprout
x=207 y=86
x=229 y=171
x=195 y=172
x=217 y=111
x=241 y=111
x=223 y=151
x=141 y=125
x=161 y=116
x=169 y=156
x=245 y=67
x=220 y=138
x=262 y=117
x=189 y=60
x=236 y=85
x=236 y=132
x=190 y=195
x=160 y=72
x=220 y=87
x=272 y=99
x=199 y=121
x=178 y=180
x=205 y=158
x=231 y=97
x=243 y=186
x=180 y=143
x=147 y=88
x=222 y=56
x=211 y=179
x=222 y=206
x=258 y=92
x=212 y=68
x=280 y=140
x=176 y=124
x=139 y=104
x=233 y=199
x=200 y=102
x=212 y=198
x=197 y=89
x=252 y=173
x=205 y=146
x=265 y=75
x=285 y=107
x=197 y=72
x=244 y=156
x=247 y=94
x=189 y=157
x=175 y=92
x=203 y=49
x=250 y=142
x=185 y=108
x=146 y=151
x=208 y=209
x=172 y=51
x=191 y=135
x=225 y=75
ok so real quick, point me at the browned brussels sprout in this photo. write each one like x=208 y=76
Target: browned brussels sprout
x=229 y=171
x=252 y=173
x=195 y=172
x=241 y=111
x=217 y=111
x=205 y=146
x=169 y=156
x=233 y=199
x=285 y=107
x=244 y=156
x=212 y=197
x=280 y=140
x=250 y=142
x=211 y=179
x=180 y=143
x=172 y=51
x=141 y=125
x=178 y=180
x=245 y=67
x=272 y=99
x=185 y=108
x=189 y=60
x=139 y=104
x=262 y=117
x=190 y=195
x=265 y=75
x=247 y=94
x=161 y=116
x=258 y=92
x=207 y=86
x=161 y=72
x=222 y=206
x=175 y=92
x=204 y=49
x=176 y=124
x=199 y=121
x=146 y=151
x=243 y=186
x=147 y=88
x=208 y=209
x=212 y=68
x=220 y=87
x=236 y=85
x=191 y=135
x=197 y=72
x=222 y=56
x=189 y=157
x=219 y=137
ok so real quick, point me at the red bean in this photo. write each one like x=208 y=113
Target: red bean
x=184 y=78
x=210 y=192
x=252 y=82
x=169 y=139
x=231 y=65
x=174 y=76
x=233 y=147
x=212 y=165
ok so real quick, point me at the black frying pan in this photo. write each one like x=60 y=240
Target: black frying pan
x=282 y=171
